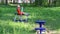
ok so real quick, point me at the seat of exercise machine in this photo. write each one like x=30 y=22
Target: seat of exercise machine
x=41 y=28
x=18 y=14
x=40 y=21
x=22 y=14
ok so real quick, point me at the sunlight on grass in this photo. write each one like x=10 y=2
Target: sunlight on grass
x=8 y=14
x=51 y=15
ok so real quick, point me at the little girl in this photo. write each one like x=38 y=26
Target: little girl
x=19 y=10
x=21 y=13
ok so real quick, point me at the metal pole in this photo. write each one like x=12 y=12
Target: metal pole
x=40 y=27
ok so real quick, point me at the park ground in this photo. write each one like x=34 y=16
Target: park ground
x=50 y=14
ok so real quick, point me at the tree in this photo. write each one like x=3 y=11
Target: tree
x=54 y=2
x=38 y=2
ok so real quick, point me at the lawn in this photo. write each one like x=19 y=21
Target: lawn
x=7 y=26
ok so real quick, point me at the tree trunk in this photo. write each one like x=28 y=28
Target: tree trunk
x=54 y=2
x=30 y=1
x=13 y=1
x=2 y=1
x=6 y=2
x=49 y=3
x=36 y=2
x=40 y=2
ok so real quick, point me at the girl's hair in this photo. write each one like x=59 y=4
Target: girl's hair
x=18 y=5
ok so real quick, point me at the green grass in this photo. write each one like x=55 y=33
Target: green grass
x=8 y=26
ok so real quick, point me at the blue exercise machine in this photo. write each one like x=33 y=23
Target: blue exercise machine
x=41 y=28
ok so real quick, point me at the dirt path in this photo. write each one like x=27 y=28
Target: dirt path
x=53 y=32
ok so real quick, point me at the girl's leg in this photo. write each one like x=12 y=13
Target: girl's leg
x=26 y=16
x=15 y=17
x=20 y=18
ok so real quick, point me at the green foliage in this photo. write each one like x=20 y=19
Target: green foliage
x=45 y=3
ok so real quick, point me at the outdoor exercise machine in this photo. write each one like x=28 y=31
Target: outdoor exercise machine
x=20 y=13
x=41 y=26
